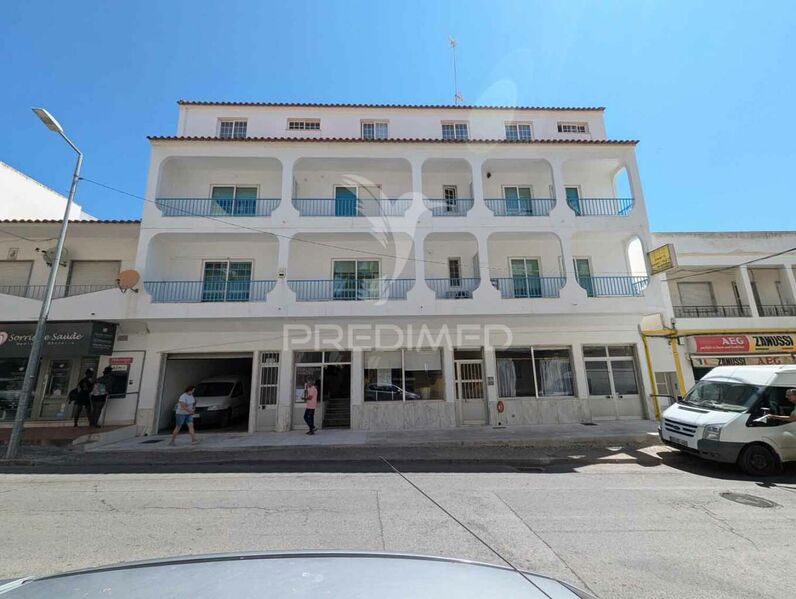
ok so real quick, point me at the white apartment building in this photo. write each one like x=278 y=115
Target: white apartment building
x=733 y=298
x=339 y=243
x=428 y=266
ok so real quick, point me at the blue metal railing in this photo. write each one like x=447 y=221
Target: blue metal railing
x=442 y=207
x=351 y=206
x=520 y=207
x=613 y=286
x=59 y=291
x=731 y=311
x=773 y=310
x=461 y=288
x=326 y=290
x=529 y=287
x=215 y=207
x=601 y=206
x=208 y=291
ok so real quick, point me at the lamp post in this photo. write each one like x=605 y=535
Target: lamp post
x=38 y=338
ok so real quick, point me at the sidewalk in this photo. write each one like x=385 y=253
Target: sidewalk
x=542 y=435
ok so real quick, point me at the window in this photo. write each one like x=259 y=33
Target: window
x=737 y=294
x=226 y=281
x=234 y=200
x=450 y=195
x=374 y=130
x=455 y=272
x=611 y=370
x=517 y=199
x=15 y=276
x=232 y=129
x=573 y=128
x=519 y=131
x=269 y=378
x=86 y=276
x=696 y=294
x=403 y=375
x=583 y=272
x=525 y=276
x=534 y=372
x=355 y=279
x=454 y=131
x=304 y=124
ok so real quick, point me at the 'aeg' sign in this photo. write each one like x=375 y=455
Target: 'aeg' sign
x=744 y=343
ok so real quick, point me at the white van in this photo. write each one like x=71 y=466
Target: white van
x=723 y=418
x=221 y=400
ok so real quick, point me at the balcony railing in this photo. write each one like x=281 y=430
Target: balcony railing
x=60 y=291
x=328 y=290
x=777 y=310
x=461 y=288
x=215 y=207
x=733 y=311
x=351 y=207
x=442 y=207
x=614 y=286
x=529 y=287
x=601 y=206
x=521 y=207
x=177 y=292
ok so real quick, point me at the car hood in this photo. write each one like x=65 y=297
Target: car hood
x=699 y=416
x=300 y=575
x=211 y=400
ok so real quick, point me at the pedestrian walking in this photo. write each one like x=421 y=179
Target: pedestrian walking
x=83 y=396
x=99 y=395
x=311 y=394
x=183 y=414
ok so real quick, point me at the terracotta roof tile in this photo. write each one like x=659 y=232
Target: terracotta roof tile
x=49 y=221
x=397 y=140
x=409 y=106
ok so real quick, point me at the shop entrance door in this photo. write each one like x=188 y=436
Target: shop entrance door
x=53 y=395
x=470 y=395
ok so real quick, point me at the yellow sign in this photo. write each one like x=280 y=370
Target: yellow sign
x=662 y=259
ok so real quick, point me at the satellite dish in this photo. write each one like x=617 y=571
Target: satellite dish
x=128 y=279
x=49 y=255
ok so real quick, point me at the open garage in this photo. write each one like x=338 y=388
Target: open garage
x=223 y=389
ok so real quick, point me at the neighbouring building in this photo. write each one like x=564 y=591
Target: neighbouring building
x=733 y=298
x=22 y=197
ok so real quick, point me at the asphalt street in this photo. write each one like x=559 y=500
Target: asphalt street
x=638 y=523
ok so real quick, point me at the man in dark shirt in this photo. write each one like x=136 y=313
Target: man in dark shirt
x=83 y=401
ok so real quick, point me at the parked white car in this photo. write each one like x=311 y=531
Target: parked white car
x=724 y=417
x=220 y=400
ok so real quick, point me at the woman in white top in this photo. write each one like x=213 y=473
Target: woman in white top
x=184 y=415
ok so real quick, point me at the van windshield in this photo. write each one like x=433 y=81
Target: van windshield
x=723 y=395
x=213 y=389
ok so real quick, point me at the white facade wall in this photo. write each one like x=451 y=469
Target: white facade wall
x=22 y=197
x=403 y=123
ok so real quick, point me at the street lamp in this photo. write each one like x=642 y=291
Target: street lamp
x=38 y=338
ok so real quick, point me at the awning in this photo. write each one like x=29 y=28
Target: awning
x=62 y=339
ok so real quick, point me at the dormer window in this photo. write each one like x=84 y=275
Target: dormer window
x=573 y=127
x=304 y=124
x=454 y=130
x=232 y=129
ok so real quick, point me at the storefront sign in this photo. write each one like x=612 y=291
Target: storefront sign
x=768 y=360
x=744 y=343
x=122 y=360
x=662 y=259
x=62 y=339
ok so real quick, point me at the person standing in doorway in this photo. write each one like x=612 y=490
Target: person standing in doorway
x=83 y=400
x=99 y=395
x=311 y=393
x=183 y=414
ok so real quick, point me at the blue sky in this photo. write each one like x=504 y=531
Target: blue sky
x=708 y=87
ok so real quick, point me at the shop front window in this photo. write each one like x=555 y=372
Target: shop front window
x=12 y=374
x=403 y=375
x=611 y=370
x=534 y=372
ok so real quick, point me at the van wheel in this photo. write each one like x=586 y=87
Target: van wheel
x=758 y=460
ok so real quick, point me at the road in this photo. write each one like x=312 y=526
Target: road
x=646 y=523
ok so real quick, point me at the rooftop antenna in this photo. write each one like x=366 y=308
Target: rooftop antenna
x=457 y=97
